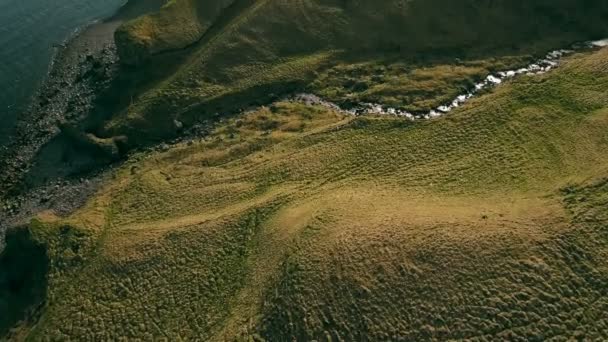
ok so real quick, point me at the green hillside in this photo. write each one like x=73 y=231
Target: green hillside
x=236 y=53
x=177 y=25
x=295 y=222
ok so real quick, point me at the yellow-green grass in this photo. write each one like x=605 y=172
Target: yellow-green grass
x=299 y=223
x=253 y=49
x=178 y=24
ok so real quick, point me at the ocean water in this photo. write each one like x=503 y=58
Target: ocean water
x=29 y=32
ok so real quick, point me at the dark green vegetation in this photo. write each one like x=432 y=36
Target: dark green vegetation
x=299 y=223
x=24 y=266
x=231 y=54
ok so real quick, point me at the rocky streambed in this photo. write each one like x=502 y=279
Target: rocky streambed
x=541 y=66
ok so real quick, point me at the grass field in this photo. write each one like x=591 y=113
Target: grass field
x=298 y=223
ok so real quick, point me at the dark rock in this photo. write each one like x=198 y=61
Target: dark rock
x=178 y=125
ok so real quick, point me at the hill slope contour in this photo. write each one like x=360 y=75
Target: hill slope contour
x=296 y=222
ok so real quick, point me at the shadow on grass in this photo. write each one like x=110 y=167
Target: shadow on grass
x=23 y=283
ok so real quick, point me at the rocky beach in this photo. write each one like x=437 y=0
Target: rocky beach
x=38 y=163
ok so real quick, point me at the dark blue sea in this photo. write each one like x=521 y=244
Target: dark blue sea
x=30 y=30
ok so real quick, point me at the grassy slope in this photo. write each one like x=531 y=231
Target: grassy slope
x=177 y=25
x=298 y=223
x=255 y=48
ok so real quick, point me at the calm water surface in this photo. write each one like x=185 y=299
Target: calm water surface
x=29 y=30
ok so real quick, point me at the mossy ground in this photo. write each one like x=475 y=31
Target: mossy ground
x=295 y=222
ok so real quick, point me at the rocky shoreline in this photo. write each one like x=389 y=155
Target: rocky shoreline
x=81 y=70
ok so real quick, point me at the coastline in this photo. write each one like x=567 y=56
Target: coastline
x=81 y=68
x=33 y=33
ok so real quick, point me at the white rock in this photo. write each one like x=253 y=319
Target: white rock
x=444 y=109
x=554 y=54
x=434 y=114
x=494 y=80
x=600 y=43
